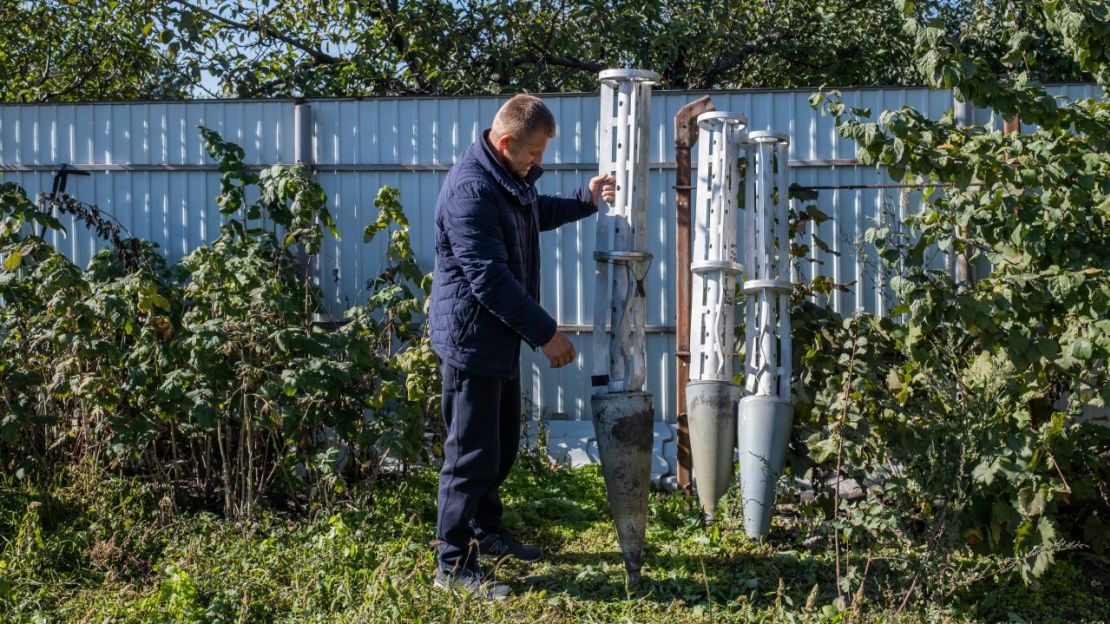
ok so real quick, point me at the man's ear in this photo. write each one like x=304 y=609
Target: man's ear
x=503 y=142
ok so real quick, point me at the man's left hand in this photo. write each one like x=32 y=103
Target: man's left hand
x=604 y=186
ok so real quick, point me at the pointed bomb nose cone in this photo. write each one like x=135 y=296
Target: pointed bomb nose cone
x=623 y=423
x=762 y=435
x=711 y=410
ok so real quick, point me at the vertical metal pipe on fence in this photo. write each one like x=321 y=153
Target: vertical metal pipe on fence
x=765 y=414
x=304 y=153
x=623 y=414
x=963 y=275
x=302 y=133
x=711 y=395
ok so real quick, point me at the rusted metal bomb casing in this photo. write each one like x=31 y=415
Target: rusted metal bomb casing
x=711 y=397
x=711 y=410
x=764 y=431
x=623 y=414
x=623 y=423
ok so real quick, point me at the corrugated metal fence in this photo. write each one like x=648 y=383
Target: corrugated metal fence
x=150 y=171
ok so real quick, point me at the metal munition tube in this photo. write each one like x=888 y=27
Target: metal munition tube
x=623 y=414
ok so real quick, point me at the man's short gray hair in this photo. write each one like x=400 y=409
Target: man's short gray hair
x=523 y=116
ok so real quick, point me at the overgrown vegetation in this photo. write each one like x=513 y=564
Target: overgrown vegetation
x=966 y=421
x=102 y=548
x=210 y=374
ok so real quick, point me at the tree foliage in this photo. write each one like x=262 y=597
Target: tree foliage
x=73 y=50
x=140 y=49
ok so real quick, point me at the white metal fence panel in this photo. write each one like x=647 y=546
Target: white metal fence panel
x=150 y=171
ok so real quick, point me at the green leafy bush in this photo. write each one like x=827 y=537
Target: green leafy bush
x=211 y=374
x=968 y=421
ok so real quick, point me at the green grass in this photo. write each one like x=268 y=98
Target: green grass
x=94 y=548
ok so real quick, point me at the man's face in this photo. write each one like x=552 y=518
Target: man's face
x=521 y=154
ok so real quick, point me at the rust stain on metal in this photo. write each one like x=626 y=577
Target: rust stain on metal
x=634 y=431
x=685 y=135
x=623 y=423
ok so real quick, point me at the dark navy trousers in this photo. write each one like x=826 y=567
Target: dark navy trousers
x=482 y=415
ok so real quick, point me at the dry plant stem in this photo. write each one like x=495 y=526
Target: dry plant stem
x=909 y=592
x=266 y=458
x=934 y=538
x=244 y=607
x=229 y=509
x=857 y=600
x=206 y=457
x=307 y=281
x=377 y=470
x=839 y=457
x=708 y=596
x=249 y=444
x=1067 y=488
x=160 y=468
x=201 y=465
x=240 y=457
x=175 y=468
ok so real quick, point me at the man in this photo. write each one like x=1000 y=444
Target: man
x=485 y=300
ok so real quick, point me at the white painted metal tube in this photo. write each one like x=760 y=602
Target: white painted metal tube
x=767 y=289
x=636 y=354
x=702 y=245
x=700 y=341
x=766 y=329
x=714 y=265
x=621 y=238
x=620 y=360
x=603 y=240
x=748 y=237
x=641 y=155
x=782 y=227
x=765 y=416
x=786 y=351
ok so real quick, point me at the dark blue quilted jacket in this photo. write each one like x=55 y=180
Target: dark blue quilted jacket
x=486 y=289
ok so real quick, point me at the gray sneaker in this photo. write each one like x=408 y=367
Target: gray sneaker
x=473 y=584
x=501 y=545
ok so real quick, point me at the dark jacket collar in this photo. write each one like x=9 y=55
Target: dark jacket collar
x=521 y=188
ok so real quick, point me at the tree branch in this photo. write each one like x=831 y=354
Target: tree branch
x=725 y=63
x=319 y=57
x=547 y=58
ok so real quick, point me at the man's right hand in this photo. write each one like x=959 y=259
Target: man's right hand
x=559 y=350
